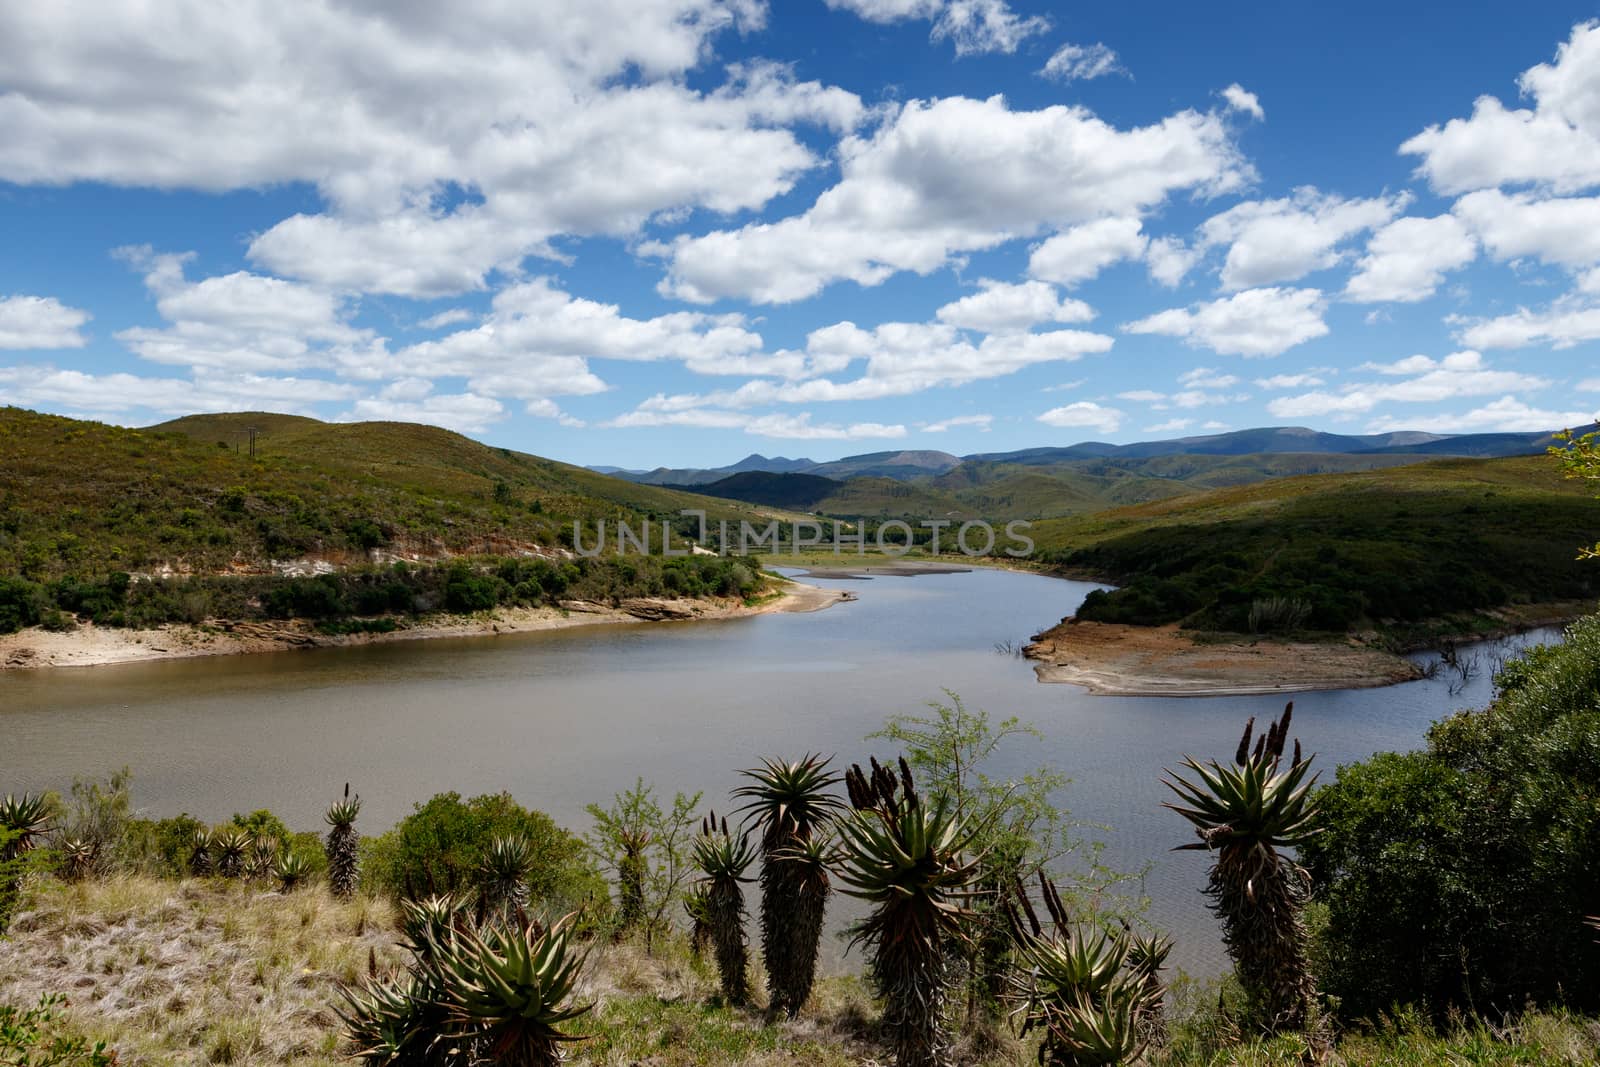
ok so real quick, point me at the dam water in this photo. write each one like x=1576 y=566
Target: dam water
x=566 y=718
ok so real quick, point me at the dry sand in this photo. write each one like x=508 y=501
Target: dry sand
x=91 y=645
x=1114 y=660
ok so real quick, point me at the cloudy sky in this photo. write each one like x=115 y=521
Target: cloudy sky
x=653 y=232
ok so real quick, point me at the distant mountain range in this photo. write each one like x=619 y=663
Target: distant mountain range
x=1273 y=440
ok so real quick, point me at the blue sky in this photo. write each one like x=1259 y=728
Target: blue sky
x=650 y=232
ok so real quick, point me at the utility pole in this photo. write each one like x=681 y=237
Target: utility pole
x=251 y=430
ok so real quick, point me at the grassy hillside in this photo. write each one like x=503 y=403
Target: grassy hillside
x=1339 y=551
x=85 y=498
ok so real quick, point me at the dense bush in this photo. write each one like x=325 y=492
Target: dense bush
x=336 y=601
x=439 y=848
x=1460 y=876
x=1351 y=561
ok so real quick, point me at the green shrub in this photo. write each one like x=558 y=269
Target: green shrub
x=439 y=848
x=1459 y=876
x=22 y=604
x=32 y=1037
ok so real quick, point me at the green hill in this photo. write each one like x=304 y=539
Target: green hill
x=1337 y=552
x=86 y=498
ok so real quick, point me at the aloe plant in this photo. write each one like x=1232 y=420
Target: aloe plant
x=200 y=847
x=27 y=817
x=503 y=890
x=512 y=989
x=1091 y=992
x=495 y=994
x=343 y=845
x=231 y=846
x=1244 y=814
x=723 y=857
x=291 y=870
x=791 y=806
x=906 y=859
x=77 y=859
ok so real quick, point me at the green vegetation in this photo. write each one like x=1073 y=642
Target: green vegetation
x=1448 y=893
x=1337 y=552
x=1580 y=458
x=368 y=599
x=82 y=498
x=32 y=1037
x=1458 y=878
x=649 y=850
x=442 y=846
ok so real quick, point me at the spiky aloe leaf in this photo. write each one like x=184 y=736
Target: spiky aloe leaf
x=394 y=1022
x=291 y=870
x=1096 y=1032
x=1080 y=983
x=77 y=859
x=231 y=846
x=200 y=848
x=430 y=922
x=503 y=876
x=514 y=988
x=28 y=818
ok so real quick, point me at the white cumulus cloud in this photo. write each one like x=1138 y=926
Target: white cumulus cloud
x=1283 y=240
x=950 y=176
x=1084 y=414
x=1408 y=259
x=40 y=322
x=1256 y=322
x=1241 y=99
x=1000 y=307
x=1555 y=143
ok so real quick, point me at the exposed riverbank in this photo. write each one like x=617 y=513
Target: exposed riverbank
x=1112 y=659
x=89 y=645
x=1109 y=659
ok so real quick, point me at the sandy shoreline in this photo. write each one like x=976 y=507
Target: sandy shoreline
x=1109 y=659
x=89 y=645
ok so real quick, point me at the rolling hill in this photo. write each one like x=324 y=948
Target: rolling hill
x=1338 y=551
x=912 y=465
x=86 y=498
x=1076 y=479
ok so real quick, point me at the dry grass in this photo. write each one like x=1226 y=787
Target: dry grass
x=204 y=972
x=195 y=971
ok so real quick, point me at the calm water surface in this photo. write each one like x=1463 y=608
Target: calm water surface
x=567 y=718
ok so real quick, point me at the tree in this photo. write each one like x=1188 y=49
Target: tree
x=1580 y=458
x=649 y=851
x=1458 y=877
